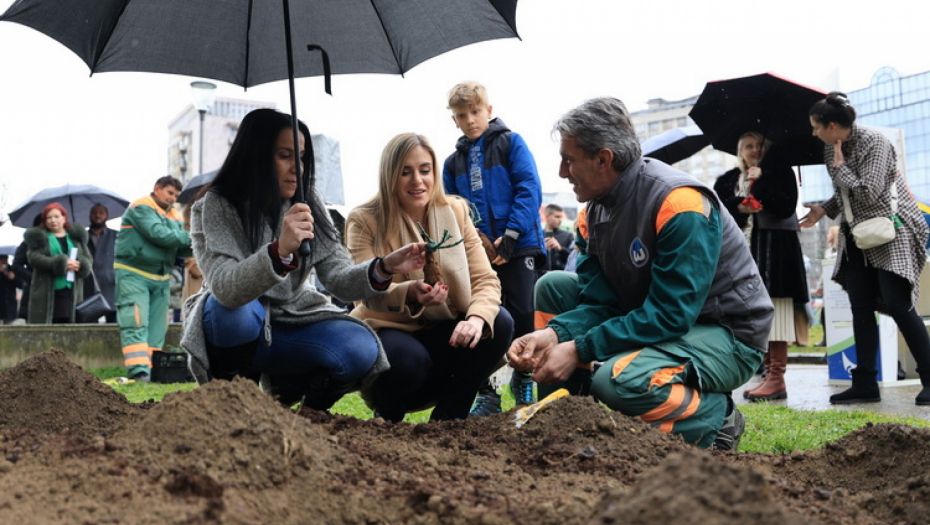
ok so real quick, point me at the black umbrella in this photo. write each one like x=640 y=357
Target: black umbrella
x=675 y=144
x=248 y=42
x=77 y=199
x=194 y=185
x=773 y=106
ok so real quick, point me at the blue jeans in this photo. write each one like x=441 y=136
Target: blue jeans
x=318 y=361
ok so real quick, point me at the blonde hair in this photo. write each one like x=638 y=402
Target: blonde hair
x=467 y=94
x=384 y=205
x=766 y=144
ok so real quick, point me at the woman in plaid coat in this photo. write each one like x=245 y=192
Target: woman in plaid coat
x=885 y=278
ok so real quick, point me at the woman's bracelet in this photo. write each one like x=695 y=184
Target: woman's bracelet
x=382 y=268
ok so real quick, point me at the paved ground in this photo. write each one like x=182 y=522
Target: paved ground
x=808 y=389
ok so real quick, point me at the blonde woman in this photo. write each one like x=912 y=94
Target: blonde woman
x=442 y=338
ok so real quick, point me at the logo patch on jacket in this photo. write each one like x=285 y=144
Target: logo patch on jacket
x=638 y=253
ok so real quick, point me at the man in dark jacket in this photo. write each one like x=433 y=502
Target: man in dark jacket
x=102 y=243
x=666 y=293
x=9 y=282
x=559 y=242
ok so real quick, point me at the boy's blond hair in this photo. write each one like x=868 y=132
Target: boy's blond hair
x=467 y=94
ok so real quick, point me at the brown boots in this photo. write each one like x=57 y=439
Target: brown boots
x=773 y=386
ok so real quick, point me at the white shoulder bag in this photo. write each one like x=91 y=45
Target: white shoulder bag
x=872 y=232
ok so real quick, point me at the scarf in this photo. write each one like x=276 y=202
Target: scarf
x=54 y=245
x=453 y=261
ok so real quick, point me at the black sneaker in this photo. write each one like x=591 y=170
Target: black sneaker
x=521 y=386
x=732 y=429
x=487 y=403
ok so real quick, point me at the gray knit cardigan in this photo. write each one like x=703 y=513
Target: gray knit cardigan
x=236 y=276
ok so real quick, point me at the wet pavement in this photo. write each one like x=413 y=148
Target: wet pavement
x=809 y=389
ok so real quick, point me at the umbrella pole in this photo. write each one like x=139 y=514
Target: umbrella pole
x=305 y=248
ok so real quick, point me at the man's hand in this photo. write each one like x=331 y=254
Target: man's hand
x=525 y=352
x=557 y=364
x=553 y=244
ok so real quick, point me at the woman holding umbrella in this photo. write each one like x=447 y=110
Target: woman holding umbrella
x=761 y=194
x=883 y=278
x=257 y=314
x=60 y=260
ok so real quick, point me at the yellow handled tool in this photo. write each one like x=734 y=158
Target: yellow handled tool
x=524 y=414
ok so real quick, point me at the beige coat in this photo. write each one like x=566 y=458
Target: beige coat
x=474 y=288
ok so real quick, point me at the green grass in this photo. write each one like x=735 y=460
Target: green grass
x=769 y=428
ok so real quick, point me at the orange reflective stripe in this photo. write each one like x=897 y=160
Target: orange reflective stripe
x=135 y=310
x=153 y=349
x=136 y=354
x=622 y=363
x=681 y=404
x=581 y=222
x=682 y=200
x=663 y=376
x=675 y=398
x=541 y=319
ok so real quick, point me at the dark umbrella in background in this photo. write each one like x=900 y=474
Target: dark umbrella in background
x=193 y=186
x=8 y=249
x=249 y=42
x=77 y=199
x=675 y=145
x=771 y=105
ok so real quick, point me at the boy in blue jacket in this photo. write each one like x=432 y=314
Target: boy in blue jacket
x=493 y=168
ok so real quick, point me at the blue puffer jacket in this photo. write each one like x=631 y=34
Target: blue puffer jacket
x=510 y=192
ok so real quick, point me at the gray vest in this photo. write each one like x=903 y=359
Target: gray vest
x=622 y=235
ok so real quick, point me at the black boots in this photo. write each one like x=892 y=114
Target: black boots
x=923 y=398
x=864 y=390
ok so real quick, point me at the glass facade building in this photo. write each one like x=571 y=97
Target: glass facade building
x=890 y=101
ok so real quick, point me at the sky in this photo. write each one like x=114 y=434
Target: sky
x=59 y=125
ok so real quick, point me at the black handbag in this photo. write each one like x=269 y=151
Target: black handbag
x=92 y=309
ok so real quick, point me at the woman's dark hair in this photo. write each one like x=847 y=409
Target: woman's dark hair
x=248 y=180
x=834 y=108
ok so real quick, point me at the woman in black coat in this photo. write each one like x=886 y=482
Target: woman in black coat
x=762 y=195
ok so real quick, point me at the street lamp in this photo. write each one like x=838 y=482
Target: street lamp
x=204 y=95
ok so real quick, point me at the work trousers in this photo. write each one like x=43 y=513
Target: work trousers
x=142 y=314
x=678 y=386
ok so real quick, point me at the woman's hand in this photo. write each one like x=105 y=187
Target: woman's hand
x=838 y=158
x=754 y=173
x=297 y=226
x=467 y=332
x=809 y=220
x=747 y=209
x=73 y=265
x=407 y=259
x=426 y=294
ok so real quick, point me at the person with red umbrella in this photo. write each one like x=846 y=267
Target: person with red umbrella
x=762 y=195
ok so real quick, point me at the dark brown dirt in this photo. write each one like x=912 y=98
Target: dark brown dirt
x=74 y=452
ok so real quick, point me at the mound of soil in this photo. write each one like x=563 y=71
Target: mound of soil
x=73 y=451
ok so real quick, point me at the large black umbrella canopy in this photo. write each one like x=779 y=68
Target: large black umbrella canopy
x=243 y=42
x=675 y=144
x=77 y=199
x=769 y=104
x=194 y=186
x=250 y=42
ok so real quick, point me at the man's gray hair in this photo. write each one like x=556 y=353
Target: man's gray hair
x=602 y=123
